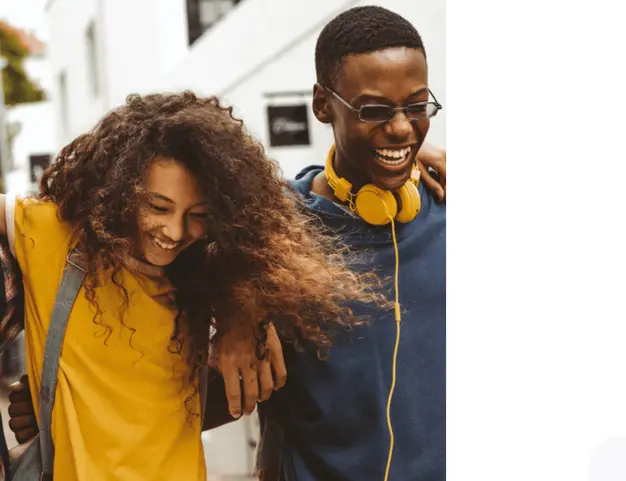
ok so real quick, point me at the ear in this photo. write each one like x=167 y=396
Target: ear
x=321 y=106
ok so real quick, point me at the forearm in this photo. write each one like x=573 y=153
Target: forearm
x=428 y=150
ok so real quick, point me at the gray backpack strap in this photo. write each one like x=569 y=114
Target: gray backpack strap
x=71 y=282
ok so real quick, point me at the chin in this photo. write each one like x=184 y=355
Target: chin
x=159 y=259
x=160 y=263
x=391 y=182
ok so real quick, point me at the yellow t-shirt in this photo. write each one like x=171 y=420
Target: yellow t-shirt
x=119 y=412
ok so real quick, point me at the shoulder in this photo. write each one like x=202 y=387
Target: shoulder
x=429 y=205
x=35 y=224
x=34 y=215
x=303 y=182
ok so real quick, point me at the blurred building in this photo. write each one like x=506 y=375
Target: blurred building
x=257 y=55
x=32 y=125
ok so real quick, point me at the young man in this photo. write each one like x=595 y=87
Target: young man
x=330 y=420
x=373 y=90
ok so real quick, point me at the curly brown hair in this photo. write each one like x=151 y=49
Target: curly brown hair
x=265 y=259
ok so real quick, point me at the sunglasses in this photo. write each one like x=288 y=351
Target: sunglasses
x=384 y=113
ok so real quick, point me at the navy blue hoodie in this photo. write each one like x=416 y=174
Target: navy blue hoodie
x=329 y=422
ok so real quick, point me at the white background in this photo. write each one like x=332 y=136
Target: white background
x=536 y=239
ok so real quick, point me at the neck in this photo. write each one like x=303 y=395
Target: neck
x=143 y=267
x=344 y=170
x=320 y=187
x=320 y=184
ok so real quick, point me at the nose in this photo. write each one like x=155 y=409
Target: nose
x=399 y=126
x=174 y=228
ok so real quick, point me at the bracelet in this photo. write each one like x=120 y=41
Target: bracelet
x=262 y=351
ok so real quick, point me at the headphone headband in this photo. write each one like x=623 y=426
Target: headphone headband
x=340 y=186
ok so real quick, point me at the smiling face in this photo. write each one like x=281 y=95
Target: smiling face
x=173 y=215
x=378 y=153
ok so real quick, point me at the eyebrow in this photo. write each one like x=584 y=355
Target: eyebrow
x=161 y=197
x=204 y=203
x=380 y=98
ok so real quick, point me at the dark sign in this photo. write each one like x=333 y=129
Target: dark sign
x=289 y=125
x=38 y=163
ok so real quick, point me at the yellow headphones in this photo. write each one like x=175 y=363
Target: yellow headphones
x=375 y=205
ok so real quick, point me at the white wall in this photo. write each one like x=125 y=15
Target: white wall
x=243 y=58
x=144 y=40
x=137 y=42
x=68 y=21
x=37 y=123
x=38 y=70
x=36 y=137
x=261 y=47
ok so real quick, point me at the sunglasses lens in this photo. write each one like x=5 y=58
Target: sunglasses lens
x=376 y=113
x=421 y=111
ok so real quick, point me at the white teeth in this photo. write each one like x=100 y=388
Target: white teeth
x=164 y=245
x=393 y=156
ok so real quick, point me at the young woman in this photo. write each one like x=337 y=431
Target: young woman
x=183 y=225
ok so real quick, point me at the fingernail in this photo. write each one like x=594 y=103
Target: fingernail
x=235 y=414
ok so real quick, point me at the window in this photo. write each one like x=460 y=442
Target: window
x=63 y=103
x=92 y=59
x=203 y=14
x=38 y=163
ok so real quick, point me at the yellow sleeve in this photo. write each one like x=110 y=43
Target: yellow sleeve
x=38 y=238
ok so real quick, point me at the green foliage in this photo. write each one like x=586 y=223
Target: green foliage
x=18 y=88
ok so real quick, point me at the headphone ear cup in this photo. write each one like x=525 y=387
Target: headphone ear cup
x=411 y=202
x=375 y=205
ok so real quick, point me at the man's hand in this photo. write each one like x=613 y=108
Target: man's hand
x=236 y=358
x=21 y=412
x=435 y=158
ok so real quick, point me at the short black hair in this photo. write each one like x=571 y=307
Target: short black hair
x=361 y=30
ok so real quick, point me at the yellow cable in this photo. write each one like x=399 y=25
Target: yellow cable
x=395 y=350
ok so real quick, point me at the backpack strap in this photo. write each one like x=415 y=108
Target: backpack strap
x=72 y=280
